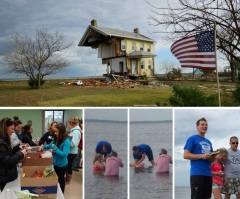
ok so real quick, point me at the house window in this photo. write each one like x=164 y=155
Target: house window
x=123 y=45
x=149 y=64
x=51 y=116
x=142 y=64
x=133 y=46
x=141 y=46
x=148 y=47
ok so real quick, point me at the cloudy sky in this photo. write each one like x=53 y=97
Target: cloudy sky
x=222 y=124
x=71 y=18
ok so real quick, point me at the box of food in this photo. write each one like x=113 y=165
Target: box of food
x=37 y=159
x=39 y=180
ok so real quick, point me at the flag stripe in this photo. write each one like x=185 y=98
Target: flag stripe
x=200 y=67
x=196 y=51
x=184 y=45
x=197 y=62
x=185 y=52
x=197 y=55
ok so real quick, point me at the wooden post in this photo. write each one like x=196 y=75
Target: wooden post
x=215 y=46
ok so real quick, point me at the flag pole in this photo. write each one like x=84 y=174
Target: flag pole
x=215 y=46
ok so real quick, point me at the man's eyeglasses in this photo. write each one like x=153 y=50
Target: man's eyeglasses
x=234 y=142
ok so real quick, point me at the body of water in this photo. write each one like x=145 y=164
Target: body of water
x=184 y=192
x=145 y=183
x=96 y=186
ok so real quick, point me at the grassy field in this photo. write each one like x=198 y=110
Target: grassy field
x=19 y=94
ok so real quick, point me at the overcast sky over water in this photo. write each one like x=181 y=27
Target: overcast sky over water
x=222 y=124
x=71 y=18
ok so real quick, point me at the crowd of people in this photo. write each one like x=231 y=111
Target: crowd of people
x=212 y=172
x=106 y=161
x=66 y=147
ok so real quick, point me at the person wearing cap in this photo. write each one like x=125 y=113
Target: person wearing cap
x=231 y=181
x=163 y=162
x=140 y=152
x=113 y=163
x=104 y=148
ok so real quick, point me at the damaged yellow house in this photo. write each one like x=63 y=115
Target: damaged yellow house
x=124 y=53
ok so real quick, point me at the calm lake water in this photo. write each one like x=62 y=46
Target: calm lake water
x=145 y=183
x=97 y=187
x=184 y=192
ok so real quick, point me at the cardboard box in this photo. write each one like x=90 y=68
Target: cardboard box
x=45 y=187
x=31 y=160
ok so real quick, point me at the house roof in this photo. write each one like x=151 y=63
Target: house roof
x=102 y=33
x=140 y=53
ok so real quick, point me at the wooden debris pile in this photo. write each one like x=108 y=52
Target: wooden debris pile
x=96 y=83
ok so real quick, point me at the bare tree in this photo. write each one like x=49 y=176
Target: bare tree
x=188 y=17
x=38 y=57
x=167 y=66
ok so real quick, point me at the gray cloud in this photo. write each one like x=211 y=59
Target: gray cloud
x=222 y=124
x=71 y=18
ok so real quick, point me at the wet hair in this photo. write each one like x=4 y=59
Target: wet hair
x=16 y=121
x=233 y=137
x=73 y=120
x=62 y=134
x=97 y=157
x=114 y=153
x=135 y=148
x=4 y=124
x=201 y=119
x=163 y=151
x=26 y=128
x=50 y=130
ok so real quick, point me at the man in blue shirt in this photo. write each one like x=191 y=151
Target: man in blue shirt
x=198 y=149
x=139 y=153
x=104 y=148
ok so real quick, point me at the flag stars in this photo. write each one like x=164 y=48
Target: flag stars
x=205 y=41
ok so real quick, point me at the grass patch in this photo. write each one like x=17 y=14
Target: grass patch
x=19 y=94
x=52 y=94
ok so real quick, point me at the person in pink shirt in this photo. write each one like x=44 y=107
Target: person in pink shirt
x=218 y=173
x=163 y=162
x=113 y=163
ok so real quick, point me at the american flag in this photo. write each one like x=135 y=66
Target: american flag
x=197 y=51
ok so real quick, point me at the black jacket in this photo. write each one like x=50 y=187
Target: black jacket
x=27 y=138
x=46 y=138
x=8 y=162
